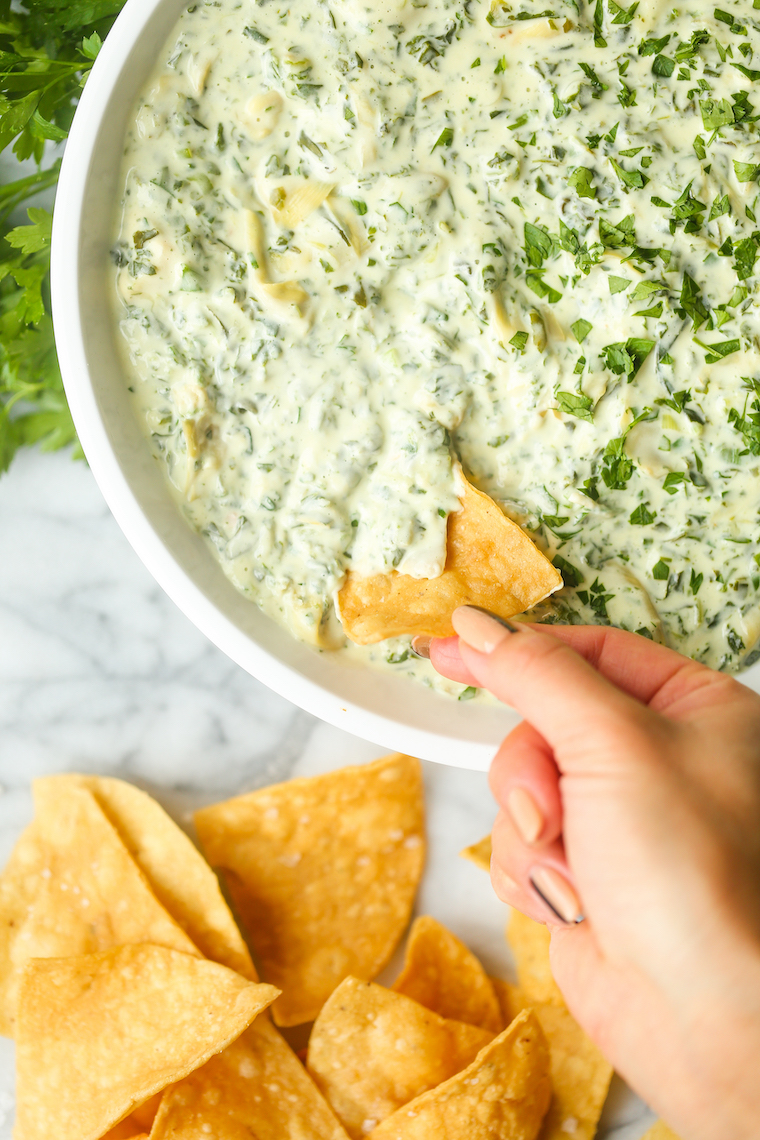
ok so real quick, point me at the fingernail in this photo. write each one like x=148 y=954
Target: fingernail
x=526 y=815
x=481 y=629
x=421 y=645
x=557 y=893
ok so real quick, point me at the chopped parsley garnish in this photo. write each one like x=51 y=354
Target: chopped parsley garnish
x=576 y=404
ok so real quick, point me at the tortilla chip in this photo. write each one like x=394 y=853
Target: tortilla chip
x=503 y=1095
x=580 y=1074
x=660 y=1131
x=479 y=854
x=71 y=887
x=114 y=1028
x=511 y=999
x=256 y=1088
x=443 y=975
x=124 y=1130
x=372 y=1051
x=490 y=562
x=179 y=876
x=323 y=873
x=530 y=945
x=145 y=1114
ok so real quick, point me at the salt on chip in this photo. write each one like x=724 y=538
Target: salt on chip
x=71 y=887
x=490 y=562
x=660 y=1131
x=479 y=853
x=371 y=1051
x=323 y=872
x=580 y=1074
x=256 y=1088
x=502 y=1095
x=442 y=974
x=98 y=1034
x=179 y=876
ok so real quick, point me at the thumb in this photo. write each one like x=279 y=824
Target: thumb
x=577 y=711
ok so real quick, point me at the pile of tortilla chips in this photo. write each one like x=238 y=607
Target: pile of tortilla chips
x=138 y=1012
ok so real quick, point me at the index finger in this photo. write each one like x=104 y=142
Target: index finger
x=632 y=663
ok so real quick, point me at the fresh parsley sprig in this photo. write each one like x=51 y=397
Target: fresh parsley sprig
x=46 y=52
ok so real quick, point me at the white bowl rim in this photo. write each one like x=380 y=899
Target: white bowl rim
x=466 y=751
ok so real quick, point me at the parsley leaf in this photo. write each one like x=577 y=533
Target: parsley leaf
x=576 y=404
x=629 y=179
x=692 y=303
x=625 y=358
x=580 y=180
x=719 y=349
x=46 y=51
x=581 y=328
x=745 y=255
x=642 y=516
x=617 y=468
x=746 y=171
x=534 y=280
x=653 y=47
x=538 y=244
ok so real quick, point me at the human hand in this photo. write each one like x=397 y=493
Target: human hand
x=631 y=794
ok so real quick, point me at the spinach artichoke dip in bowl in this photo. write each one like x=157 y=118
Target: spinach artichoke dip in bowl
x=376 y=258
x=365 y=240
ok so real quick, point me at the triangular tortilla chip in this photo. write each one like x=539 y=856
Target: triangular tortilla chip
x=502 y=1095
x=179 y=876
x=479 y=853
x=98 y=1034
x=443 y=975
x=530 y=943
x=511 y=999
x=71 y=887
x=256 y=1088
x=490 y=562
x=371 y=1051
x=323 y=873
x=580 y=1074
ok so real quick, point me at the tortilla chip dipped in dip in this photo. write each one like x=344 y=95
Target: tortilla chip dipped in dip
x=490 y=562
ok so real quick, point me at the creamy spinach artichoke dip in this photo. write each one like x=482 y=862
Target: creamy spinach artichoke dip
x=364 y=239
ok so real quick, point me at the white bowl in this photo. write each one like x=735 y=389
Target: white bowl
x=388 y=710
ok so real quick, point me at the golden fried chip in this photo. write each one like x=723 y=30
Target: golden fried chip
x=372 y=1051
x=71 y=887
x=479 y=853
x=443 y=975
x=124 y=1130
x=490 y=562
x=660 y=1131
x=98 y=1034
x=323 y=872
x=530 y=945
x=179 y=876
x=256 y=1088
x=511 y=999
x=580 y=1074
x=502 y=1095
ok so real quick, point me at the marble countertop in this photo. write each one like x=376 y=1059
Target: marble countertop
x=99 y=672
